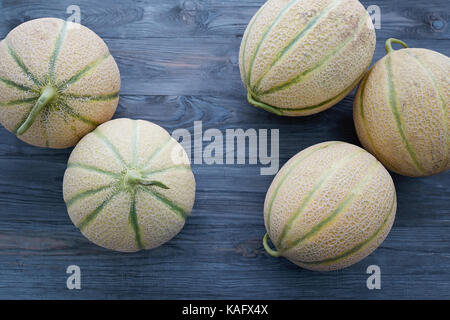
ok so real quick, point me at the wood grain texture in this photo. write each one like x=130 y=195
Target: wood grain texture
x=179 y=64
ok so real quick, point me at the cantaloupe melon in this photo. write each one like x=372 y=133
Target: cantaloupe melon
x=58 y=81
x=330 y=206
x=128 y=185
x=401 y=111
x=300 y=57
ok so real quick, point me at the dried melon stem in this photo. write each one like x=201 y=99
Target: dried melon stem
x=47 y=95
x=269 y=250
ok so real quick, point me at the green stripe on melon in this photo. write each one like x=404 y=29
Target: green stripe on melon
x=22 y=65
x=393 y=104
x=292 y=167
x=60 y=63
x=284 y=74
x=339 y=209
x=286 y=49
x=329 y=207
x=306 y=201
x=277 y=18
x=387 y=223
x=91 y=216
x=18 y=86
x=134 y=222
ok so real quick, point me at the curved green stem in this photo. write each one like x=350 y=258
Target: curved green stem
x=47 y=95
x=270 y=251
x=389 y=42
x=264 y=106
x=133 y=178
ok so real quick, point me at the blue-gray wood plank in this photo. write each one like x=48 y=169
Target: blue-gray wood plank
x=179 y=63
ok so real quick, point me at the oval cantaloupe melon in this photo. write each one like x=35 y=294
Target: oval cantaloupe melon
x=58 y=81
x=128 y=185
x=330 y=206
x=401 y=111
x=300 y=57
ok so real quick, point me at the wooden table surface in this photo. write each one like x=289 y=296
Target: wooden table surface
x=179 y=64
